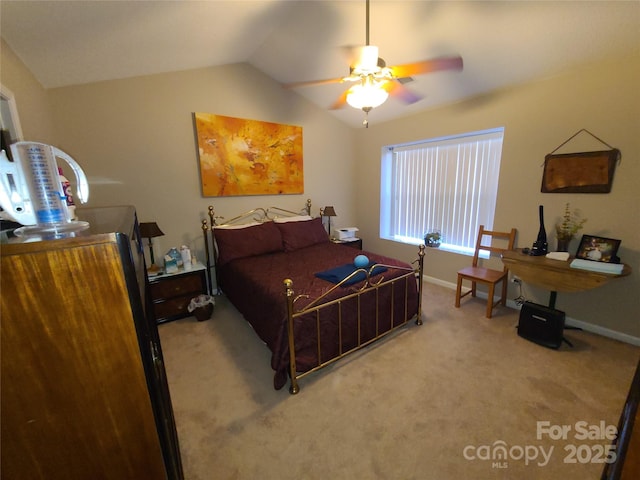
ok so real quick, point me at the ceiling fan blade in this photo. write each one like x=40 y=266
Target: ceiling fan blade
x=427 y=66
x=396 y=89
x=340 y=102
x=313 y=82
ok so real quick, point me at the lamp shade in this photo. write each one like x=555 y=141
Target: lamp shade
x=329 y=212
x=150 y=230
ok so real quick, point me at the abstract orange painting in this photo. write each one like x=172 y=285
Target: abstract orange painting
x=248 y=157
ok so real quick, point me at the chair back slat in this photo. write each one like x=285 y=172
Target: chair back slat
x=494 y=242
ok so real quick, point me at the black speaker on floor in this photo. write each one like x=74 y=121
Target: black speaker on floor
x=542 y=325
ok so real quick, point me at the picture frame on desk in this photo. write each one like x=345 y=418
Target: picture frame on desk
x=598 y=249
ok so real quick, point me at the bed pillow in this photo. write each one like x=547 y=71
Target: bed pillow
x=302 y=234
x=296 y=218
x=253 y=240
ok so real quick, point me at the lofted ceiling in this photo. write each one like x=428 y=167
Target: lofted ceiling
x=502 y=43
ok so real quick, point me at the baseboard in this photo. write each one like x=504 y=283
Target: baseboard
x=569 y=321
x=437 y=281
x=605 y=332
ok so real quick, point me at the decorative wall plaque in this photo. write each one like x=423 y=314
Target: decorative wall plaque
x=581 y=172
x=588 y=172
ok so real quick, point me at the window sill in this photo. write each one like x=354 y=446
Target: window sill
x=443 y=246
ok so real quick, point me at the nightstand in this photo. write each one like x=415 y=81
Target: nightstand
x=351 y=242
x=171 y=293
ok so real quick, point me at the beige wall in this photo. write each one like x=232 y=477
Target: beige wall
x=31 y=99
x=538 y=117
x=135 y=140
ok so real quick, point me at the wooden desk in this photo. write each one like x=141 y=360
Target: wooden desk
x=555 y=275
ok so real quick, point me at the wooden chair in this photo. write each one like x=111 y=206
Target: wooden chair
x=487 y=276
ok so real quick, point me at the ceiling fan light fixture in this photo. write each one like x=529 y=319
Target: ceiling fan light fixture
x=367 y=94
x=374 y=81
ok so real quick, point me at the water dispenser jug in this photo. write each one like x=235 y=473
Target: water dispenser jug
x=30 y=189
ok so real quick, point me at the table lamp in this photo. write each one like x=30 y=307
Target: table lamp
x=328 y=212
x=150 y=230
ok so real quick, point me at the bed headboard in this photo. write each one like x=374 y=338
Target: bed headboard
x=258 y=215
x=251 y=217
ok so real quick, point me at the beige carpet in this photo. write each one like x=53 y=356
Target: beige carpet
x=430 y=402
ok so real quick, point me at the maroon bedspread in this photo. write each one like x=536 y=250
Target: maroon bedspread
x=255 y=287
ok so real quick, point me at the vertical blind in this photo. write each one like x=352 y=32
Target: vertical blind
x=447 y=184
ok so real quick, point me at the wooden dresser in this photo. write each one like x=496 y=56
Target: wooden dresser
x=84 y=392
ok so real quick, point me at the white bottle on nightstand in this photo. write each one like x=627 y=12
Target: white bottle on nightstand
x=185 y=253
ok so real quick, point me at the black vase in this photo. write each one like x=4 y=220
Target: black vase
x=540 y=245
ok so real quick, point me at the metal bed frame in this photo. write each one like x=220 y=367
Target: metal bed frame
x=316 y=306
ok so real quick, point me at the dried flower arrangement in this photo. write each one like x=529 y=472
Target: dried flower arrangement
x=571 y=224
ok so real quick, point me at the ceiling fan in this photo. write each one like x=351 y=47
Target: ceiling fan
x=374 y=81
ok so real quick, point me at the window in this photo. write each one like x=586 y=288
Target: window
x=449 y=184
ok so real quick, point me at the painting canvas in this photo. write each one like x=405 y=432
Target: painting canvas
x=248 y=157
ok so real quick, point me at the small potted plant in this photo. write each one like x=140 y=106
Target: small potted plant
x=568 y=228
x=433 y=238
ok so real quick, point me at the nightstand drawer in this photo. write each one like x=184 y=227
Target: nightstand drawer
x=172 y=308
x=174 y=286
x=170 y=294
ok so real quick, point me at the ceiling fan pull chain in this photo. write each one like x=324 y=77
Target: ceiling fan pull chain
x=366 y=111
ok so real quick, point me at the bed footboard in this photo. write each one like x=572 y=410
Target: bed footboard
x=370 y=287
